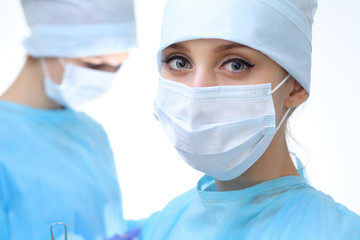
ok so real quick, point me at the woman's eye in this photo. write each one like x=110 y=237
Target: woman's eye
x=237 y=65
x=178 y=63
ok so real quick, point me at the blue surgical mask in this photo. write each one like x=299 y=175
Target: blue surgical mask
x=222 y=130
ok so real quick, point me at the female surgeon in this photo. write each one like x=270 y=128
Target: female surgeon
x=56 y=164
x=232 y=72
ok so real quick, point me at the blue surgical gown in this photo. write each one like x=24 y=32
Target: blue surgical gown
x=284 y=208
x=56 y=166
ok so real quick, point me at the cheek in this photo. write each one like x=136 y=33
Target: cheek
x=56 y=70
x=76 y=61
x=172 y=75
x=279 y=98
x=164 y=72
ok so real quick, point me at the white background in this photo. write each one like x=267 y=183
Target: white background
x=150 y=171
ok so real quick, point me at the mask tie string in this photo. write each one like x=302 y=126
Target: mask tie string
x=280 y=84
x=62 y=62
x=44 y=67
x=283 y=119
x=288 y=111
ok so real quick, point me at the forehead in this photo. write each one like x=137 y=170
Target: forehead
x=111 y=59
x=211 y=46
x=212 y=42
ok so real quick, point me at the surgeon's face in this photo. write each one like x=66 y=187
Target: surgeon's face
x=107 y=63
x=215 y=62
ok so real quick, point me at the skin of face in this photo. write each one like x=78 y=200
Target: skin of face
x=216 y=62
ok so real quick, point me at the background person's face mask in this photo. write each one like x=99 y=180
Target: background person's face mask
x=79 y=85
x=221 y=131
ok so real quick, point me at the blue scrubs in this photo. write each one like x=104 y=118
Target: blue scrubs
x=56 y=166
x=284 y=208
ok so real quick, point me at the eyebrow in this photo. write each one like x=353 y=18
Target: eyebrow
x=178 y=47
x=218 y=49
x=229 y=46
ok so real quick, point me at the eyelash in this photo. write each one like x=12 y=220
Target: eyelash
x=167 y=60
x=173 y=57
x=101 y=67
x=247 y=64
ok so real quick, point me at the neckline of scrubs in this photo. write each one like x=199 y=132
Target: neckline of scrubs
x=207 y=188
x=36 y=112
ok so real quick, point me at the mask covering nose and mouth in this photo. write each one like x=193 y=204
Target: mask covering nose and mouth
x=79 y=85
x=221 y=131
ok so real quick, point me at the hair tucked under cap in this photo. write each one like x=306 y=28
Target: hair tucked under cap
x=281 y=29
x=79 y=28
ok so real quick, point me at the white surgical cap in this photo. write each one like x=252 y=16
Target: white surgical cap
x=79 y=28
x=281 y=29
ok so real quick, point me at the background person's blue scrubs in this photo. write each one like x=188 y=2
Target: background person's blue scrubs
x=56 y=166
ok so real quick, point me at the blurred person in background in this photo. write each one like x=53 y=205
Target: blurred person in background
x=56 y=164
